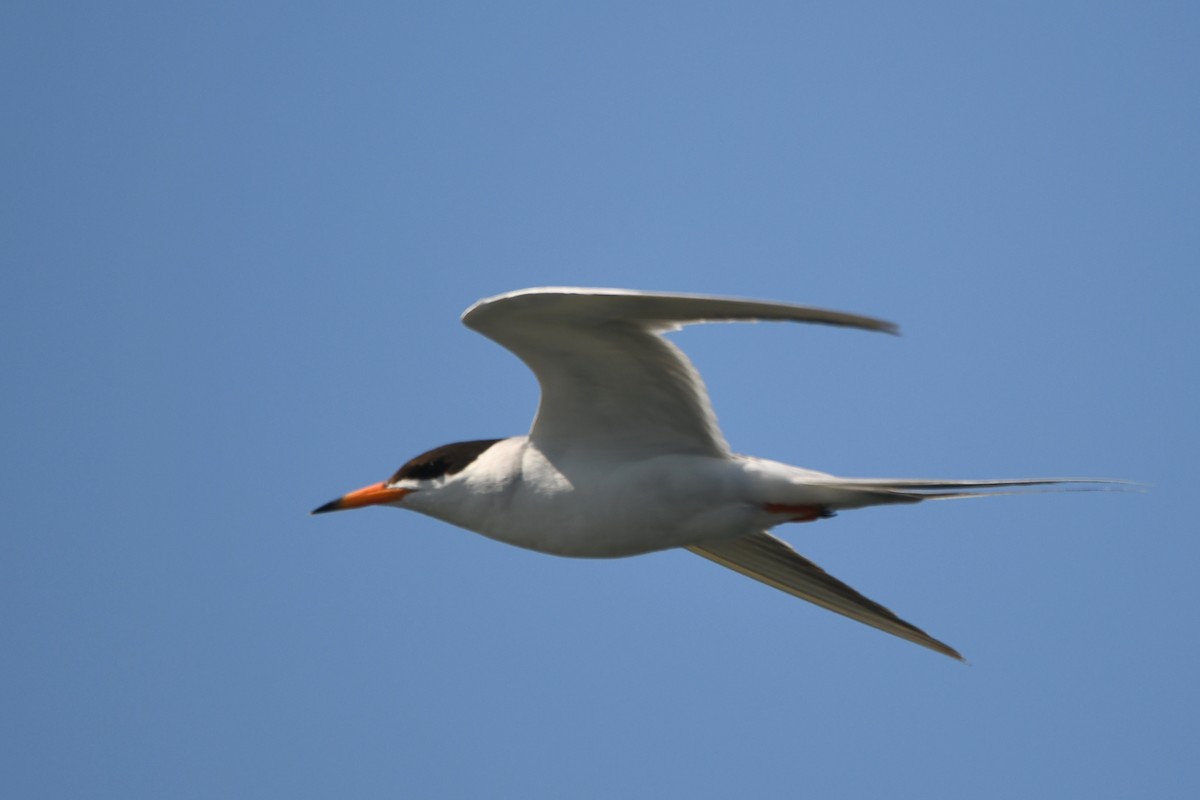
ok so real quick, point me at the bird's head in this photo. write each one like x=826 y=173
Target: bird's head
x=426 y=472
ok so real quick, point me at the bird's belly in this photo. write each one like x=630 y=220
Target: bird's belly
x=657 y=505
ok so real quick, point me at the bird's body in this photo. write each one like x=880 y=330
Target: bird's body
x=585 y=507
x=625 y=456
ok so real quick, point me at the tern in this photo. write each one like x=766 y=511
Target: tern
x=625 y=456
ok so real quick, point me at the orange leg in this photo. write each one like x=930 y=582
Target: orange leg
x=798 y=513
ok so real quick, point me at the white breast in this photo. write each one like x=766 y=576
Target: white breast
x=595 y=508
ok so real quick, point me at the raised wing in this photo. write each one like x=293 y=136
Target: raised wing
x=772 y=561
x=609 y=380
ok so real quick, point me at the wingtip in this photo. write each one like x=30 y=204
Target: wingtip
x=947 y=650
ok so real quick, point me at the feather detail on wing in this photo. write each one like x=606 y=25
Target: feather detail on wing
x=773 y=562
x=609 y=380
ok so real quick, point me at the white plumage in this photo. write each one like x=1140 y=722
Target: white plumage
x=625 y=456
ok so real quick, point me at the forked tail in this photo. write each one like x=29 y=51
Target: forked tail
x=917 y=489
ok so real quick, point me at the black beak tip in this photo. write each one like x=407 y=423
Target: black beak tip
x=332 y=505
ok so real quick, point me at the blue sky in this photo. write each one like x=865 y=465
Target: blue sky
x=237 y=238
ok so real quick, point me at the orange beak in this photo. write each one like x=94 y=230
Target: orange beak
x=373 y=495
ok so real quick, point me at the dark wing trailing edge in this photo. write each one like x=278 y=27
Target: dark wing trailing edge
x=772 y=561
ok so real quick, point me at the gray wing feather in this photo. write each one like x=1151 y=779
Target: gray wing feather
x=772 y=561
x=609 y=380
x=660 y=310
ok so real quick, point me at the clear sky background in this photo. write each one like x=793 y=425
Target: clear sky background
x=236 y=241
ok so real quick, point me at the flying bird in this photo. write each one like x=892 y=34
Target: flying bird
x=625 y=456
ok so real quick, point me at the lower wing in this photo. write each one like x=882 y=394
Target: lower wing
x=763 y=557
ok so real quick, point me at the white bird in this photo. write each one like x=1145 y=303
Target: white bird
x=625 y=456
